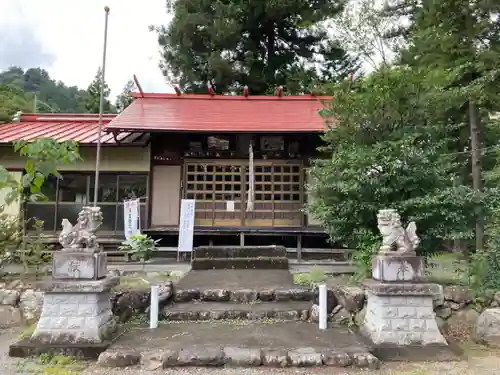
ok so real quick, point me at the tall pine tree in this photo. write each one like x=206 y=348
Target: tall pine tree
x=462 y=38
x=230 y=44
x=92 y=100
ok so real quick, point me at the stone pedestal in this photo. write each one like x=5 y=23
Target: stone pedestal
x=398 y=268
x=79 y=265
x=76 y=315
x=76 y=312
x=76 y=320
x=400 y=322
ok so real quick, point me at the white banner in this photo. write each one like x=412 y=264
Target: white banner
x=131 y=216
x=186 y=226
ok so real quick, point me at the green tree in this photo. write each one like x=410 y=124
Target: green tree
x=230 y=44
x=389 y=149
x=462 y=37
x=51 y=95
x=43 y=158
x=124 y=99
x=12 y=100
x=93 y=97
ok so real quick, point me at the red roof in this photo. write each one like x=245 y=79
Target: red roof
x=220 y=113
x=82 y=128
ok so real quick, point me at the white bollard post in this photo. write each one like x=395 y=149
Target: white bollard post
x=322 y=306
x=153 y=309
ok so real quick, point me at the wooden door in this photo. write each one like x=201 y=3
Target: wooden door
x=217 y=188
x=221 y=196
x=278 y=194
x=165 y=203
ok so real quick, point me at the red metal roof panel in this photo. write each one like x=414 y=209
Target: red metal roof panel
x=195 y=113
x=82 y=128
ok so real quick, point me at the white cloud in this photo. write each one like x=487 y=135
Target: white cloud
x=66 y=38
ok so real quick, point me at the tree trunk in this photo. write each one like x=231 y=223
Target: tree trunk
x=475 y=139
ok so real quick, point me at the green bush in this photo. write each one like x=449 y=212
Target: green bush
x=139 y=246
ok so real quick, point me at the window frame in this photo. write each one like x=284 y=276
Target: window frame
x=118 y=227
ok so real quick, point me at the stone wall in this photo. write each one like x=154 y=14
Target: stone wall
x=21 y=304
x=456 y=314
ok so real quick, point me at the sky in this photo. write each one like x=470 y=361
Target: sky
x=66 y=38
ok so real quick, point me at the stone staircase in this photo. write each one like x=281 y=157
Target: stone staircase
x=239 y=283
x=236 y=257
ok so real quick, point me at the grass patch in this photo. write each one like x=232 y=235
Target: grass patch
x=309 y=279
x=47 y=364
x=143 y=280
x=447 y=269
x=27 y=330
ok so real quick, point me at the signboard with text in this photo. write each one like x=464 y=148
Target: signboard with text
x=186 y=226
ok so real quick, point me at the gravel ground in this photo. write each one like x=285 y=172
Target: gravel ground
x=481 y=362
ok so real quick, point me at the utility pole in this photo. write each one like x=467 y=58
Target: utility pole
x=477 y=183
x=34 y=103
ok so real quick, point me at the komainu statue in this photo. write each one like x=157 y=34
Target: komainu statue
x=81 y=236
x=394 y=237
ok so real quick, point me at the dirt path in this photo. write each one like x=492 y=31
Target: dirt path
x=481 y=362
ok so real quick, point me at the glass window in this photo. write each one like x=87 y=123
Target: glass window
x=49 y=188
x=106 y=192
x=45 y=212
x=73 y=188
x=131 y=186
x=68 y=211
x=109 y=218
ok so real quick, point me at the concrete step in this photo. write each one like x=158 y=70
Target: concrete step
x=244 y=295
x=239 y=251
x=189 y=311
x=240 y=263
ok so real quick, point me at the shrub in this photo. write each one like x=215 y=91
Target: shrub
x=139 y=246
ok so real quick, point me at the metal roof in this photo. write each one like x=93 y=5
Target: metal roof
x=220 y=113
x=82 y=128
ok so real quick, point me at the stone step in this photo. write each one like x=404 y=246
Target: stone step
x=244 y=295
x=231 y=310
x=280 y=263
x=239 y=251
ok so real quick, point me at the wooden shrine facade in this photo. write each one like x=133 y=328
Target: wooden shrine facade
x=214 y=169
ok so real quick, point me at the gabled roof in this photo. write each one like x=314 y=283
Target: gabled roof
x=220 y=113
x=82 y=128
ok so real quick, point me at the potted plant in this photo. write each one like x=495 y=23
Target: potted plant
x=139 y=247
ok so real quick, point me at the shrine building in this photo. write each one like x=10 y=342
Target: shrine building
x=165 y=147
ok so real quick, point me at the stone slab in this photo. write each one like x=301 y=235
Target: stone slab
x=398 y=268
x=26 y=348
x=230 y=310
x=289 y=343
x=415 y=353
x=267 y=263
x=237 y=280
x=79 y=265
x=79 y=286
x=402 y=289
x=239 y=252
x=287 y=335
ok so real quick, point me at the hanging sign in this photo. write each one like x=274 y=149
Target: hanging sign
x=186 y=226
x=131 y=216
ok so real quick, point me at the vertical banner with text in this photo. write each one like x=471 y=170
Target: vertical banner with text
x=186 y=226
x=131 y=216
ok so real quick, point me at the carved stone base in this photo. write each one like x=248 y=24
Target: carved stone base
x=401 y=315
x=79 y=265
x=398 y=268
x=76 y=312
